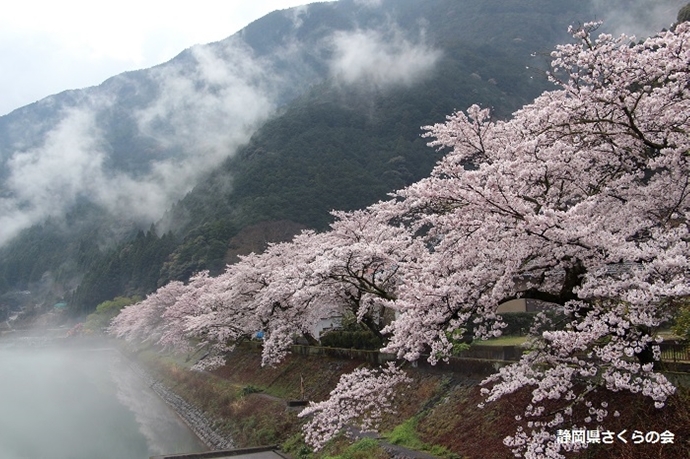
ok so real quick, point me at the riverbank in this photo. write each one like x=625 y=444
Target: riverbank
x=437 y=413
x=193 y=416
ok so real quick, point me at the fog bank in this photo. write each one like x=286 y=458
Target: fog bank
x=74 y=404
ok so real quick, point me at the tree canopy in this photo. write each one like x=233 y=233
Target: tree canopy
x=581 y=200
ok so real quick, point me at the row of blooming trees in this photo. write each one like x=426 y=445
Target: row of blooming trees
x=581 y=200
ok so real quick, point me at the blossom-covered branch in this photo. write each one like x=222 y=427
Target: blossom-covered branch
x=360 y=398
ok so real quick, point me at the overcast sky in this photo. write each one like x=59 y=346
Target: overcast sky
x=49 y=46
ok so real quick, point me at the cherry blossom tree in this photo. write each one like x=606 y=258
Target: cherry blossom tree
x=351 y=269
x=282 y=292
x=276 y=292
x=175 y=317
x=191 y=324
x=144 y=321
x=280 y=295
x=357 y=265
x=581 y=200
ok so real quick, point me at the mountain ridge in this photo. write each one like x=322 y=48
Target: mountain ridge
x=285 y=120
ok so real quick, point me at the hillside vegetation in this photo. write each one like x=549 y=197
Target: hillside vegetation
x=437 y=413
x=331 y=143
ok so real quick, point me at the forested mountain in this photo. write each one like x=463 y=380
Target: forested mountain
x=115 y=189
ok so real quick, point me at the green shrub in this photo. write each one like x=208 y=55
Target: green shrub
x=681 y=328
x=366 y=448
x=106 y=311
x=406 y=436
x=518 y=323
x=296 y=447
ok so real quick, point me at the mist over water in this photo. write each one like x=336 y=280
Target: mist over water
x=73 y=404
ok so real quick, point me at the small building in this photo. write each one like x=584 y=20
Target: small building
x=524 y=305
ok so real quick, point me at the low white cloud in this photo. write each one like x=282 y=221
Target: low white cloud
x=202 y=113
x=380 y=59
x=206 y=105
x=211 y=107
x=641 y=18
x=45 y=181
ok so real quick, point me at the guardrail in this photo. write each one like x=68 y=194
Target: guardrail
x=671 y=352
x=675 y=352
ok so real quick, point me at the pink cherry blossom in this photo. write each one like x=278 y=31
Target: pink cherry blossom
x=580 y=200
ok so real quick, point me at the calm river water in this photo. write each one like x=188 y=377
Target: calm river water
x=77 y=404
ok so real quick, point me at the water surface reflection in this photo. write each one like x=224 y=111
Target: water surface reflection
x=62 y=403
